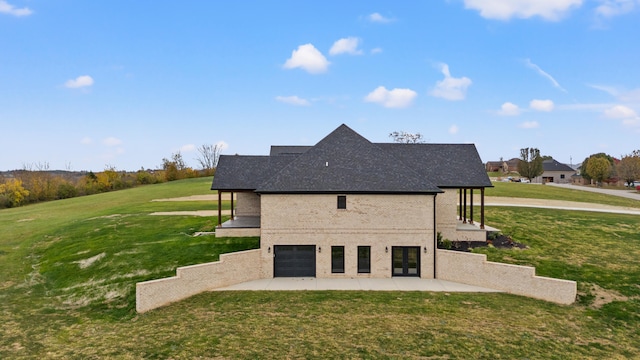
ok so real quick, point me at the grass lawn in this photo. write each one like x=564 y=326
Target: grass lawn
x=535 y=191
x=68 y=271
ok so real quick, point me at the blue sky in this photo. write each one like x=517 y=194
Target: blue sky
x=89 y=84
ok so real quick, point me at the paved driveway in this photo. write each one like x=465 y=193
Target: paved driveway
x=629 y=194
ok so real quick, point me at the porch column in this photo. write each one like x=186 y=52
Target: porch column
x=464 y=212
x=219 y=208
x=232 y=206
x=471 y=207
x=460 y=203
x=482 y=208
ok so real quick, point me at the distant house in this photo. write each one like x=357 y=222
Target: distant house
x=556 y=172
x=504 y=166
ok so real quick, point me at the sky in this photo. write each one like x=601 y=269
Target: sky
x=86 y=85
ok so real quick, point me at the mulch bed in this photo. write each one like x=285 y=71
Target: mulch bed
x=500 y=242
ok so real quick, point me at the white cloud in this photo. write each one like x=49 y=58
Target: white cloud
x=396 y=98
x=506 y=9
x=451 y=88
x=6 y=8
x=377 y=18
x=188 y=148
x=544 y=74
x=509 y=109
x=293 y=100
x=308 y=58
x=112 y=141
x=376 y=50
x=632 y=96
x=453 y=129
x=541 y=105
x=611 y=8
x=80 y=81
x=620 y=112
x=346 y=46
x=529 y=125
x=86 y=141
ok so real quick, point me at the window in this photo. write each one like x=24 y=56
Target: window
x=364 y=259
x=342 y=202
x=561 y=176
x=337 y=259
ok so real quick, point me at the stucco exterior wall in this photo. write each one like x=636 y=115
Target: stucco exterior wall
x=247 y=204
x=233 y=268
x=379 y=221
x=474 y=269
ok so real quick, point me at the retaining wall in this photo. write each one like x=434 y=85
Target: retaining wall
x=233 y=268
x=474 y=269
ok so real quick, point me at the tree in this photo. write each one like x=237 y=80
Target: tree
x=208 y=158
x=584 y=172
x=598 y=168
x=12 y=193
x=629 y=168
x=175 y=168
x=530 y=164
x=406 y=138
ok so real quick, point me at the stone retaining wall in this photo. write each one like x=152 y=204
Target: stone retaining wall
x=474 y=269
x=233 y=268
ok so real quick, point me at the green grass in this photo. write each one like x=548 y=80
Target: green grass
x=534 y=191
x=51 y=307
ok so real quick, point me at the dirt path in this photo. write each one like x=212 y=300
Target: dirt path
x=212 y=197
x=555 y=204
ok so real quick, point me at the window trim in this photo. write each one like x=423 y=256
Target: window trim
x=361 y=268
x=335 y=270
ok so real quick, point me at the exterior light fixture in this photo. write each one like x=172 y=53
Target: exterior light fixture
x=386 y=249
x=269 y=249
x=425 y=249
x=319 y=249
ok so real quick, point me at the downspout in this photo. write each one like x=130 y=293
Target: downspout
x=435 y=236
x=219 y=208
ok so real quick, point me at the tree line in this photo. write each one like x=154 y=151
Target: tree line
x=36 y=182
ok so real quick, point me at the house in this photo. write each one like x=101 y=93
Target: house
x=348 y=207
x=555 y=172
x=504 y=166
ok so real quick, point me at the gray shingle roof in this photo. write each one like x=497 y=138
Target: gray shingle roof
x=553 y=165
x=446 y=165
x=346 y=162
x=239 y=172
x=288 y=150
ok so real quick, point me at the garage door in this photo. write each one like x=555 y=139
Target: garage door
x=294 y=260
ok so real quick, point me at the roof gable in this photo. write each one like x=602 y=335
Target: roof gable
x=344 y=161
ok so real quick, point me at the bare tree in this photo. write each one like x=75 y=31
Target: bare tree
x=406 y=138
x=209 y=155
x=530 y=164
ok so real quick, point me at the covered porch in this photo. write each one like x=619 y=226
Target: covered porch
x=239 y=225
x=465 y=207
